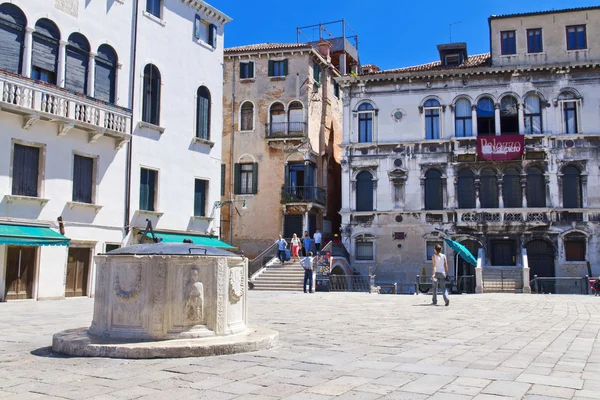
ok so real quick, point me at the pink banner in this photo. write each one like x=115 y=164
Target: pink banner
x=500 y=148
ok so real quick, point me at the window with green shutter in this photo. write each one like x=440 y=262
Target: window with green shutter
x=203 y=113
x=247 y=69
x=317 y=73
x=200 y=191
x=83 y=179
x=148 y=180
x=278 y=67
x=246 y=178
x=223 y=172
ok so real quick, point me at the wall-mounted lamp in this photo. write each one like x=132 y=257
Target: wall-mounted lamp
x=219 y=204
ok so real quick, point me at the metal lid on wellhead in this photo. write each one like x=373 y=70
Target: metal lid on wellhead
x=171 y=249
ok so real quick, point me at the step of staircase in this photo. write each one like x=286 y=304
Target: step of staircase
x=288 y=277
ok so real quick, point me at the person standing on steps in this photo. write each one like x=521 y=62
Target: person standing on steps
x=281 y=246
x=306 y=263
x=306 y=244
x=440 y=272
x=295 y=248
x=317 y=236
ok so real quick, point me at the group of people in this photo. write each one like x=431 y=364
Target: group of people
x=298 y=244
x=307 y=261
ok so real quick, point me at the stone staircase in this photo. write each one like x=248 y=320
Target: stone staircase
x=288 y=276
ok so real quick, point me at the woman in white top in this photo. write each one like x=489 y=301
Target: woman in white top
x=440 y=271
x=295 y=247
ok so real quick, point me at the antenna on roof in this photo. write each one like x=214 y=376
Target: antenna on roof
x=450 y=28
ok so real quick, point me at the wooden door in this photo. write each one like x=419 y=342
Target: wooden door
x=20 y=270
x=503 y=253
x=78 y=267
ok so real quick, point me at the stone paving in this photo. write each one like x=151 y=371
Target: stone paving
x=333 y=345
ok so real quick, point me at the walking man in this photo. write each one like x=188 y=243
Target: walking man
x=317 y=236
x=305 y=244
x=440 y=271
x=281 y=246
x=306 y=263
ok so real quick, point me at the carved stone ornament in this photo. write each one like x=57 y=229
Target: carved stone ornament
x=132 y=293
x=194 y=298
x=236 y=285
x=70 y=7
x=398 y=175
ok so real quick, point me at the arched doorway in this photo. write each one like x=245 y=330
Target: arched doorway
x=540 y=256
x=465 y=272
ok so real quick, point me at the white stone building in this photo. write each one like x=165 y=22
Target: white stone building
x=91 y=93
x=411 y=172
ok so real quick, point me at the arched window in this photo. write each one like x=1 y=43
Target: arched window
x=247 y=114
x=366 y=114
x=44 y=53
x=203 y=113
x=12 y=38
x=466 y=189
x=571 y=190
x=105 y=81
x=570 y=105
x=277 y=120
x=364 y=191
x=463 y=120
x=77 y=63
x=295 y=119
x=488 y=189
x=432 y=119
x=433 y=190
x=509 y=115
x=533 y=114
x=536 y=188
x=486 y=117
x=511 y=189
x=151 y=99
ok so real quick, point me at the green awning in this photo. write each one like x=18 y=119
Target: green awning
x=196 y=239
x=22 y=235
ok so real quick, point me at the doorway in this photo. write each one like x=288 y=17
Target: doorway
x=504 y=252
x=292 y=223
x=20 y=270
x=78 y=268
x=540 y=255
x=465 y=277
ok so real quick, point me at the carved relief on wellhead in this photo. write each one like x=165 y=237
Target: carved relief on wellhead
x=128 y=282
x=236 y=284
x=194 y=298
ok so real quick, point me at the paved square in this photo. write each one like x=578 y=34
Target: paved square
x=333 y=345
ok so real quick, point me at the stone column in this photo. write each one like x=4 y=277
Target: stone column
x=27 y=49
x=60 y=74
x=305 y=221
x=521 y=108
x=477 y=186
x=524 y=189
x=422 y=193
x=500 y=185
x=474 y=119
x=497 y=118
x=478 y=279
x=91 y=75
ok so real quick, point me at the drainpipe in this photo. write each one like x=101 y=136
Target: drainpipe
x=231 y=152
x=130 y=143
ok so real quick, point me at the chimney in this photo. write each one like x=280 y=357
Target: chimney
x=354 y=68
x=369 y=69
x=324 y=48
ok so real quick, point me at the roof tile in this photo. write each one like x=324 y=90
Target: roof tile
x=268 y=47
x=478 y=60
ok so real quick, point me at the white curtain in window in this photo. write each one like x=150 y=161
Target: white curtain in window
x=464 y=122
x=364 y=250
x=533 y=115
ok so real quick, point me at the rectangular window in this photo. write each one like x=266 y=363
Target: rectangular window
x=153 y=7
x=25 y=174
x=576 y=37
x=246 y=69
x=575 y=250
x=508 y=42
x=570 y=116
x=200 y=192
x=83 y=179
x=317 y=73
x=431 y=246
x=364 y=251
x=212 y=35
x=246 y=178
x=223 y=172
x=148 y=184
x=534 y=41
x=111 y=246
x=198 y=27
x=336 y=89
x=278 y=67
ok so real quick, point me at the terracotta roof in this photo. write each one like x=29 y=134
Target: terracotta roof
x=528 y=14
x=268 y=47
x=478 y=60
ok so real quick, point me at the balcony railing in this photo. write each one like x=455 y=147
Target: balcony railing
x=303 y=194
x=501 y=216
x=285 y=129
x=37 y=101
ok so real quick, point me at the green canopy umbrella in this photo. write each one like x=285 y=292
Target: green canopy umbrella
x=462 y=251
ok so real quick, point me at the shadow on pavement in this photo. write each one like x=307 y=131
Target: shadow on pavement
x=47 y=352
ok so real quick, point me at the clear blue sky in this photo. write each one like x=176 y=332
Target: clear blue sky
x=392 y=33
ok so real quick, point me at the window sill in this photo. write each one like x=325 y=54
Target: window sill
x=156 y=214
x=577 y=50
x=277 y=78
x=202 y=218
x=10 y=198
x=539 y=53
x=154 y=18
x=509 y=55
x=248 y=131
x=198 y=140
x=95 y=207
x=153 y=127
x=202 y=43
x=247 y=80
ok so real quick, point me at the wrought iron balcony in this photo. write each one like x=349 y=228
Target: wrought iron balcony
x=38 y=101
x=279 y=130
x=503 y=216
x=303 y=194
